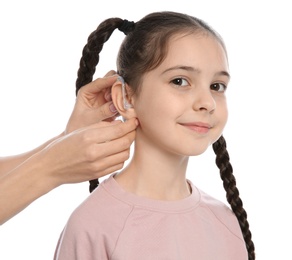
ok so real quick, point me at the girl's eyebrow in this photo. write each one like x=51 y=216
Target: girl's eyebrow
x=181 y=67
x=223 y=73
x=195 y=70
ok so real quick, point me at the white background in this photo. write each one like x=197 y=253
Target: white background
x=40 y=48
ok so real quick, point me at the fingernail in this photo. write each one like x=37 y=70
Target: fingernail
x=108 y=96
x=112 y=108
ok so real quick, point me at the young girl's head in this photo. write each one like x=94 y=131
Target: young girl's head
x=174 y=72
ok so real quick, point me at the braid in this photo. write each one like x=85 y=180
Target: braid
x=232 y=193
x=91 y=51
x=90 y=58
x=93 y=185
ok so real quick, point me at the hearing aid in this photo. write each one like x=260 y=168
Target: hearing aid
x=127 y=105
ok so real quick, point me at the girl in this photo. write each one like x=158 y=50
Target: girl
x=174 y=74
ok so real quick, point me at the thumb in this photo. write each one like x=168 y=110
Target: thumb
x=106 y=111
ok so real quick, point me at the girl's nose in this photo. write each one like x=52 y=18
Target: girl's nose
x=204 y=100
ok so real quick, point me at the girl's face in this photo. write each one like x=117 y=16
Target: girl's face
x=182 y=105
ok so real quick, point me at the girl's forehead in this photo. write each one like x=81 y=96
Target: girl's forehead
x=202 y=41
x=196 y=50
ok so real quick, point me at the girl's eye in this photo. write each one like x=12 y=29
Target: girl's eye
x=180 y=82
x=220 y=87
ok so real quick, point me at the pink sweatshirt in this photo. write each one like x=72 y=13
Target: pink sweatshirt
x=114 y=224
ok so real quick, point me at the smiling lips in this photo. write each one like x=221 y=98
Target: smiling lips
x=198 y=127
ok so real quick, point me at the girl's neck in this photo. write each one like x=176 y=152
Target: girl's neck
x=155 y=174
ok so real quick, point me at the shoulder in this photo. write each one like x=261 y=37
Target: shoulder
x=221 y=213
x=100 y=218
x=99 y=212
x=100 y=206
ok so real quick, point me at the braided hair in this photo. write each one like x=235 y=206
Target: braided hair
x=232 y=193
x=143 y=49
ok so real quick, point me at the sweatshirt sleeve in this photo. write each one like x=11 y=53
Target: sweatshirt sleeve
x=76 y=242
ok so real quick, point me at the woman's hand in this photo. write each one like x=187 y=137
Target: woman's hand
x=90 y=152
x=93 y=103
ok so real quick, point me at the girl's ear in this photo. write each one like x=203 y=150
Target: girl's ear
x=122 y=100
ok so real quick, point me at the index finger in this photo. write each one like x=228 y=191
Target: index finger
x=122 y=128
x=100 y=84
x=114 y=130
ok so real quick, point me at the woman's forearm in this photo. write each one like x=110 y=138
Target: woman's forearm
x=21 y=182
x=21 y=186
x=10 y=162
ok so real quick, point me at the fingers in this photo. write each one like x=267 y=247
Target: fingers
x=93 y=151
x=115 y=146
x=105 y=111
x=109 y=156
x=104 y=141
x=101 y=83
x=109 y=164
x=114 y=130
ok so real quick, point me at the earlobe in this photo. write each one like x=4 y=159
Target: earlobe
x=121 y=100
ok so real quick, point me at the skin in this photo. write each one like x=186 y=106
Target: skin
x=93 y=145
x=184 y=92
